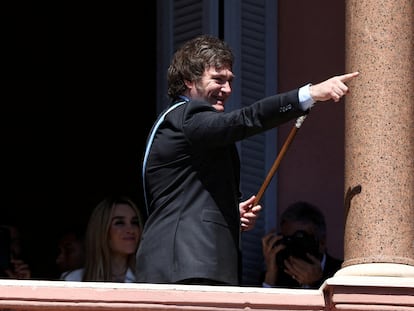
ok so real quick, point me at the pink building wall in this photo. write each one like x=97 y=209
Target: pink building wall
x=312 y=49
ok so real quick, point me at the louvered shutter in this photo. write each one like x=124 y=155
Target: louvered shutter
x=251 y=28
x=177 y=22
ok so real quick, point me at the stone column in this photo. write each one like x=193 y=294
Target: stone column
x=379 y=139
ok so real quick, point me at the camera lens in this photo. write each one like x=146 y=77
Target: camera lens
x=298 y=245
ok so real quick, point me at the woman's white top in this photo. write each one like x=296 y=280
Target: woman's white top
x=77 y=275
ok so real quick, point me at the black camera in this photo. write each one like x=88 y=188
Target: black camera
x=5 y=250
x=298 y=245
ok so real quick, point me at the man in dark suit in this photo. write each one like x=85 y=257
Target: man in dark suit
x=191 y=166
x=298 y=257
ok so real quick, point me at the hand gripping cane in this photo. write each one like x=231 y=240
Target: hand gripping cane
x=281 y=154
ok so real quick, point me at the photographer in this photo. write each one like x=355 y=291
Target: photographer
x=297 y=256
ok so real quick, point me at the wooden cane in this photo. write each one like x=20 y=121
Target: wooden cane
x=279 y=157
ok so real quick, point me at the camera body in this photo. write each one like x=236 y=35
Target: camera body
x=298 y=245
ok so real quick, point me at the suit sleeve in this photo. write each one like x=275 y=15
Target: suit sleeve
x=204 y=125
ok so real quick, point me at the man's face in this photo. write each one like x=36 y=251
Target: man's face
x=213 y=87
x=71 y=253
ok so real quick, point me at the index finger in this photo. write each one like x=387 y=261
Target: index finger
x=348 y=76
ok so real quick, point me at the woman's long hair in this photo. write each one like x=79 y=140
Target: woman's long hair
x=98 y=254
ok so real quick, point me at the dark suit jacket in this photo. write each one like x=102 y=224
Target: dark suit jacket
x=191 y=183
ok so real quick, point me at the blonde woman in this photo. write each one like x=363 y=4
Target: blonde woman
x=111 y=241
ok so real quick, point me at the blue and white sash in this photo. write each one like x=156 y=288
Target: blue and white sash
x=149 y=144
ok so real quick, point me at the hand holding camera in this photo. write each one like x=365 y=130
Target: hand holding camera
x=304 y=272
x=271 y=246
x=298 y=245
x=5 y=250
x=300 y=258
x=10 y=266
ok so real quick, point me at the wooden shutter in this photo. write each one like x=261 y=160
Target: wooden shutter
x=250 y=27
x=177 y=22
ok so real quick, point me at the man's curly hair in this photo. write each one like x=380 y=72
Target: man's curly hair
x=192 y=58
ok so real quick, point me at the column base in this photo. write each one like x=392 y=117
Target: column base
x=377 y=269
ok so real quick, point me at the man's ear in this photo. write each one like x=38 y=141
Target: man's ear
x=322 y=244
x=189 y=84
